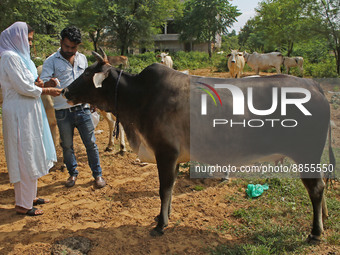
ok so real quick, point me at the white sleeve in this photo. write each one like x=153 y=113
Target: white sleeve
x=20 y=77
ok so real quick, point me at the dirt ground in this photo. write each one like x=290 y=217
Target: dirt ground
x=117 y=219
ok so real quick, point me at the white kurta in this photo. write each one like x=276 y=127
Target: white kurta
x=22 y=119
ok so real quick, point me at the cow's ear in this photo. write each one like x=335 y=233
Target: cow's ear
x=98 y=79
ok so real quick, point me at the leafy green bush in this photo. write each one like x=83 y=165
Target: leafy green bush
x=314 y=51
x=195 y=60
x=326 y=68
x=182 y=60
x=220 y=61
x=138 y=62
x=191 y=60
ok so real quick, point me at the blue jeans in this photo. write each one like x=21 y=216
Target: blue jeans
x=80 y=118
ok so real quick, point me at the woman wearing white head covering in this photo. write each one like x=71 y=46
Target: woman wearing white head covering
x=28 y=143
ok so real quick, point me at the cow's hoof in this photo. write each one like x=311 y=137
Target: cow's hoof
x=312 y=239
x=157 y=232
x=122 y=153
x=108 y=149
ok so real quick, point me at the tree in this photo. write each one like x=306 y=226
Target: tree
x=44 y=16
x=230 y=41
x=204 y=19
x=325 y=21
x=281 y=22
x=7 y=11
x=134 y=22
x=92 y=17
x=250 y=38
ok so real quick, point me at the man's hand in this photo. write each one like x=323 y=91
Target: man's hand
x=53 y=82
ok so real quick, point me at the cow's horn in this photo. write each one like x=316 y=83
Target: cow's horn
x=98 y=57
x=103 y=53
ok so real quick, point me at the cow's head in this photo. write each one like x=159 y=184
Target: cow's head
x=234 y=55
x=162 y=56
x=246 y=56
x=93 y=86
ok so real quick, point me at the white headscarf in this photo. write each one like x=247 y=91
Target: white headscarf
x=15 y=39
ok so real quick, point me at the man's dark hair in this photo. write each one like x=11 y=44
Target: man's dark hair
x=72 y=33
x=30 y=29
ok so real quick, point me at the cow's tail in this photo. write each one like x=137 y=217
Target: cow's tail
x=330 y=175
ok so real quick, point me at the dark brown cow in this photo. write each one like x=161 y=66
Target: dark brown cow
x=156 y=112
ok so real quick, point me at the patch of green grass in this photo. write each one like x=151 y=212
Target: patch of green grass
x=198 y=188
x=278 y=221
x=334 y=239
x=333 y=221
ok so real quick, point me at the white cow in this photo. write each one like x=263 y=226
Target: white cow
x=292 y=62
x=235 y=64
x=166 y=59
x=264 y=61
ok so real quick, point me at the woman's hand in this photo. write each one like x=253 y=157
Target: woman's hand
x=38 y=82
x=51 y=91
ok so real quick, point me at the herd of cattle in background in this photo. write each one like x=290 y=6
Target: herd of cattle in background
x=236 y=62
x=258 y=61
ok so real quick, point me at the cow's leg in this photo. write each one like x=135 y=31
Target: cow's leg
x=167 y=172
x=122 y=139
x=315 y=188
x=278 y=69
x=257 y=71
x=169 y=212
x=324 y=208
x=110 y=122
x=301 y=70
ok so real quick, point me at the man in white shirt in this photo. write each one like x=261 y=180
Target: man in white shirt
x=67 y=64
